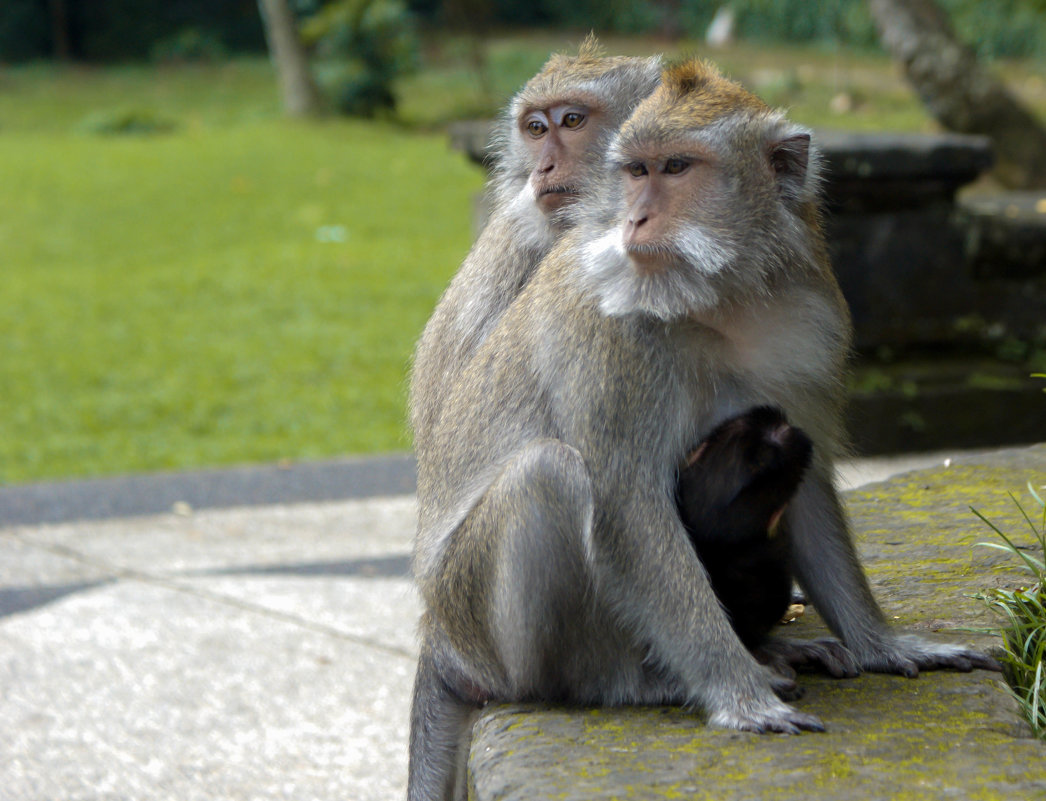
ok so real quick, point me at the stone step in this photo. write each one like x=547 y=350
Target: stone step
x=941 y=735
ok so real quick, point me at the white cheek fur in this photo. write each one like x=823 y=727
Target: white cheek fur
x=533 y=226
x=677 y=291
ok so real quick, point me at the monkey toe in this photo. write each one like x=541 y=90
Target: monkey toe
x=807 y=722
x=790 y=693
x=986 y=662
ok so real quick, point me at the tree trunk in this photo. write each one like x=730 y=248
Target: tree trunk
x=301 y=98
x=959 y=91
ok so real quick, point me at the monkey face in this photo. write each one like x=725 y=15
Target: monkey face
x=560 y=140
x=709 y=200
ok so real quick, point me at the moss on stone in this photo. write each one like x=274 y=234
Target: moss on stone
x=938 y=736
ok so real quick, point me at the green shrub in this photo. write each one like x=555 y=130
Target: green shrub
x=363 y=47
x=126 y=121
x=187 y=46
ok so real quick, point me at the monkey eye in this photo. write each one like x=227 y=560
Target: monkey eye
x=536 y=128
x=636 y=169
x=676 y=166
x=572 y=119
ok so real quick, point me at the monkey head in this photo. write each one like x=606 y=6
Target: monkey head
x=739 y=480
x=710 y=195
x=557 y=129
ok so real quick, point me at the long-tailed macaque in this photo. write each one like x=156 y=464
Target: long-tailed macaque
x=732 y=496
x=550 y=142
x=550 y=553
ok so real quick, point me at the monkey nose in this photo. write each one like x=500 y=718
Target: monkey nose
x=636 y=220
x=632 y=226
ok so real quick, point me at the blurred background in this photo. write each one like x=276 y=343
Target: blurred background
x=223 y=223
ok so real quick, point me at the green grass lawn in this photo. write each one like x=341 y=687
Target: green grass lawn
x=169 y=301
x=247 y=288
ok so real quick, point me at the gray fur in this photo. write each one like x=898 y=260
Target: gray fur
x=518 y=234
x=550 y=555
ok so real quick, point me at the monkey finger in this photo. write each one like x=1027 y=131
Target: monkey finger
x=806 y=722
x=985 y=661
x=784 y=687
x=957 y=662
x=835 y=658
x=780 y=718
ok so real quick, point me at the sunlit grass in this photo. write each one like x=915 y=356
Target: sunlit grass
x=245 y=288
x=248 y=292
x=1023 y=614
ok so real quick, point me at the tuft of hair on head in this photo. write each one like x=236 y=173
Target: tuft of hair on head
x=590 y=48
x=698 y=81
x=589 y=55
x=686 y=77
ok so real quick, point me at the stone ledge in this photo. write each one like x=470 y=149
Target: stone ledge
x=1006 y=234
x=942 y=735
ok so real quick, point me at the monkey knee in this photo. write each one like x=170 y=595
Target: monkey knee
x=547 y=497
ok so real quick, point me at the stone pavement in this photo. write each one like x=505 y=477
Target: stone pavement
x=254 y=652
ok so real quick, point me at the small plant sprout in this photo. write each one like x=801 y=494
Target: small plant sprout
x=1024 y=613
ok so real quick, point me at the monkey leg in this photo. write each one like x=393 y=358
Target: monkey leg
x=537 y=518
x=830 y=573
x=517 y=599
x=506 y=605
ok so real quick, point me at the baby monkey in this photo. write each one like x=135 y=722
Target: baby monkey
x=731 y=497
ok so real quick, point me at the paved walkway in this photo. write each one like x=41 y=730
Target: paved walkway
x=262 y=651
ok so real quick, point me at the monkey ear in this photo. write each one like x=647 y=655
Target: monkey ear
x=790 y=159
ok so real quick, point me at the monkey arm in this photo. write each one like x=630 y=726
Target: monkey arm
x=828 y=569
x=497 y=266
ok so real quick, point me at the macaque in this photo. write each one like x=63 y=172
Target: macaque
x=732 y=496
x=550 y=555
x=550 y=142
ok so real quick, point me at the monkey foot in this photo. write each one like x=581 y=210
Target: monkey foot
x=777 y=717
x=783 y=656
x=907 y=654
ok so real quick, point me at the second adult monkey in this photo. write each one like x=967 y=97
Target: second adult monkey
x=550 y=142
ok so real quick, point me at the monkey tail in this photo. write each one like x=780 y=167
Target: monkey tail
x=440 y=730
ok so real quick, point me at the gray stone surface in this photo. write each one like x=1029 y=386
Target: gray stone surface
x=1006 y=234
x=942 y=735
x=262 y=653
x=253 y=652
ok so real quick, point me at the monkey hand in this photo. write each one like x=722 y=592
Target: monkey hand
x=765 y=714
x=783 y=655
x=907 y=654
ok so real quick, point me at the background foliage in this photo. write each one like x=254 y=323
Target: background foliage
x=115 y=30
x=190 y=279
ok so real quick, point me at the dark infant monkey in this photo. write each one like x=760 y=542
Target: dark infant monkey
x=732 y=496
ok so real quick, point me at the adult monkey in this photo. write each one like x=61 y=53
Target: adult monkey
x=550 y=554
x=550 y=142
